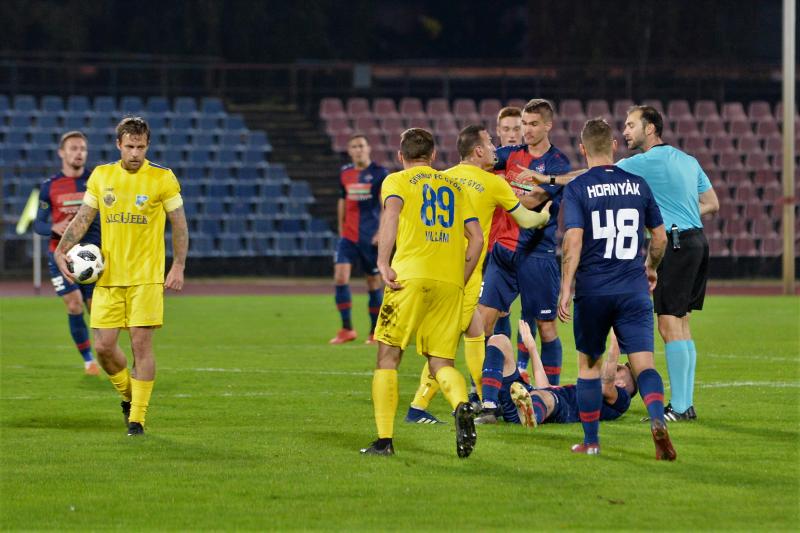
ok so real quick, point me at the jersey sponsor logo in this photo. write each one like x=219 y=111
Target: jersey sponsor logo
x=125 y=218
x=545 y=311
x=358 y=192
x=613 y=189
x=109 y=198
x=141 y=199
x=68 y=202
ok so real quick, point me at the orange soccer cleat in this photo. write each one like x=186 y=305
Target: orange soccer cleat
x=343 y=336
x=371 y=339
x=92 y=369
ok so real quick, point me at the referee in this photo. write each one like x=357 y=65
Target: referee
x=684 y=194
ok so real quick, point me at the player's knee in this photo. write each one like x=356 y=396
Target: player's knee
x=501 y=342
x=547 y=330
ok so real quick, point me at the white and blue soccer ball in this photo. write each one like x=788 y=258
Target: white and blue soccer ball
x=86 y=263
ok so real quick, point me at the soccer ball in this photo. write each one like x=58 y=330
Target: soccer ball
x=87 y=263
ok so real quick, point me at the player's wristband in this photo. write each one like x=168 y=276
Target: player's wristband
x=552 y=179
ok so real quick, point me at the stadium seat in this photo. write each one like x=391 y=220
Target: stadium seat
x=655 y=104
x=209 y=226
x=227 y=157
x=754 y=161
x=234 y=226
x=732 y=111
x=331 y=108
x=366 y=124
x=213 y=106
x=755 y=209
x=598 y=108
x=105 y=104
x=300 y=191
x=52 y=104
x=337 y=125
x=772 y=247
x=721 y=144
x=437 y=107
x=489 y=108
x=694 y=144
x=177 y=139
x=744 y=247
x=705 y=109
x=234 y=123
x=762 y=227
x=24 y=104
x=411 y=108
x=773 y=145
x=202 y=138
x=263 y=225
x=217 y=190
x=201 y=246
x=384 y=107
x=358 y=107
x=685 y=127
x=571 y=109
x=679 y=110
x=718 y=247
x=621 y=107
x=392 y=126
x=748 y=145
x=740 y=127
x=4 y=105
x=464 y=107
x=185 y=105
x=130 y=105
x=157 y=104
x=208 y=123
x=759 y=110
x=713 y=127
x=21 y=121
x=730 y=161
x=228 y=138
x=286 y=244
x=767 y=127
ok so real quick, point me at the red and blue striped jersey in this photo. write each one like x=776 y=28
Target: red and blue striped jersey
x=509 y=234
x=60 y=197
x=361 y=192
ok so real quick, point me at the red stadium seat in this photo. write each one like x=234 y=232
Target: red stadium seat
x=336 y=125
x=771 y=194
x=655 y=104
x=516 y=102
x=713 y=126
x=418 y=122
x=772 y=247
x=571 y=109
x=735 y=177
x=411 y=108
x=762 y=227
x=754 y=161
x=685 y=127
x=721 y=144
x=598 y=108
x=679 y=110
x=767 y=127
x=748 y=145
x=744 y=192
x=744 y=247
x=620 y=109
x=331 y=108
x=694 y=144
x=718 y=247
x=384 y=108
x=464 y=106
x=366 y=124
x=734 y=227
x=759 y=110
x=340 y=142
x=755 y=209
x=444 y=122
x=733 y=111
x=468 y=119
x=740 y=128
x=705 y=109
x=774 y=145
x=706 y=161
x=376 y=140
x=358 y=107
x=727 y=211
x=574 y=126
x=437 y=107
x=766 y=178
x=730 y=161
x=489 y=108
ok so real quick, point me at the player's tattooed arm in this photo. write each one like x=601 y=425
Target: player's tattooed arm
x=658 y=245
x=180 y=248
x=570 y=256
x=608 y=374
x=77 y=228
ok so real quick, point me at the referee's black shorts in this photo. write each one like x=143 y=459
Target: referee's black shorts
x=682 y=275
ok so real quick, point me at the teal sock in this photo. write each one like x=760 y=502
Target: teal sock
x=678 y=370
x=692 y=366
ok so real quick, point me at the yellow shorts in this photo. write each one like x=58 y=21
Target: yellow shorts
x=124 y=307
x=430 y=308
x=471 y=294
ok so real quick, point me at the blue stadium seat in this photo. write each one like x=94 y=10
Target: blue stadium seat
x=190 y=189
x=317 y=225
x=195 y=173
x=171 y=157
x=191 y=207
x=3 y=103
x=245 y=189
x=177 y=139
x=211 y=105
x=269 y=208
x=300 y=190
x=221 y=174
x=74 y=122
x=294 y=209
x=231 y=246
x=278 y=173
x=52 y=104
x=262 y=244
x=208 y=124
x=202 y=138
x=48 y=122
x=291 y=225
x=78 y=104
x=314 y=245
x=157 y=104
x=199 y=156
x=16 y=138
x=96 y=138
x=101 y=121
x=201 y=246
x=217 y=189
x=234 y=123
x=157 y=122
x=209 y=226
x=258 y=139
x=227 y=157
x=241 y=207
x=286 y=244
x=249 y=173
x=263 y=225
x=130 y=105
x=234 y=226
x=181 y=122
x=254 y=157
x=21 y=121
x=230 y=138
x=185 y=105
x=214 y=207
x=41 y=137
x=25 y=103
x=105 y=105
x=271 y=190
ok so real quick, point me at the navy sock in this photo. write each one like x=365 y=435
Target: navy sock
x=522 y=354
x=492 y=378
x=80 y=334
x=344 y=302
x=551 y=360
x=375 y=301
x=539 y=409
x=503 y=326
x=651 y=388
x=590 y=401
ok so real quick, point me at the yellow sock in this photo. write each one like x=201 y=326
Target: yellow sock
x=428 y=387
x=474 y=353
x=122 y=382
x=140 y=399
x=384 y=401
x=453 y=385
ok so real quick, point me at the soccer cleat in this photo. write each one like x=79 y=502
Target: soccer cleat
x=135 y=429
x=126 y=410
x=371 y=339
x=475 y=400
x=522 y=399
x=375 y=449
x=343 y=336
x=672 y=415
x=420 y=416
x=91 y=369
x=487 y=415
x=664 y=449
x=466 y=437
x=691 y=413
x=586 y=449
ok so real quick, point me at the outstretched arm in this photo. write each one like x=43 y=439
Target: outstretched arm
x=527 y=174
x=539 y=375
x=72 y=236
x=526 y=218
x=180 y=248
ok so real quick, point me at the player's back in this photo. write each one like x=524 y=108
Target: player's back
x=430 y=234
x=612 y=207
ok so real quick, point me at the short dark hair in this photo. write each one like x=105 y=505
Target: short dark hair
x=509 y=111
x=541 y=106
x=74 y=134
x=416 y=144
x=355 y=136
x=650 y=115
x=468 y=139
x=133 y=126
x=596 y=136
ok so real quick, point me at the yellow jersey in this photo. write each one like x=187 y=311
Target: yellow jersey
x=430 y=233
x=133 y=208
x=486 y=191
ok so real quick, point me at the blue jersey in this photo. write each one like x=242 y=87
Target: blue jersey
x=510 y=235
x=60 y=197
x=612 y=207
x=361 y=192
x=677 y=181
x=566 y=408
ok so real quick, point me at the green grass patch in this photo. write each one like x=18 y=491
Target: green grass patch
x=255 y=423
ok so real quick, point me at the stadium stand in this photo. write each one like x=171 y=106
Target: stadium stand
x=235 y=198
x=738 y=146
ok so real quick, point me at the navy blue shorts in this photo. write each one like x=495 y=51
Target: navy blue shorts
x=630 y=314
x=349 y=252
x=64 y=286
x=534 y=278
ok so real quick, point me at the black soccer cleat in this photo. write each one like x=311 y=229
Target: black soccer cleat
x=671 y=415
x=376 y=448
x=126 y=410
x=135 y=429
x=487 y=415
x=465 y=429
x=690 y=412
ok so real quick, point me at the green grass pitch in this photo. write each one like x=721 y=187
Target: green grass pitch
x=255 y=423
